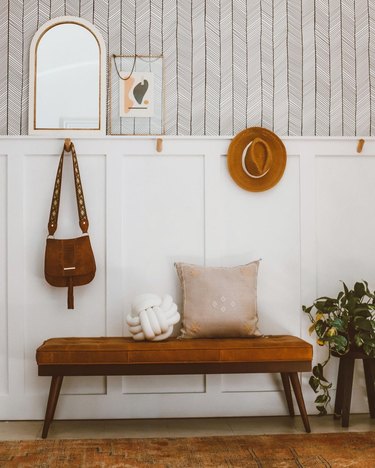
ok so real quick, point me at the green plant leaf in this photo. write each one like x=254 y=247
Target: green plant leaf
x=326 y=298
x=371 y=343
x=322 y=307
x=363 y=324
x=322 y=410
x=338 y=323
x=340 y=339
x=352 y=304
x=359 y=290
x=366 y=336
x=328 y=301
x=318 y=372
x=320 y=328
x=368 y=292
x=358 y=340
x=367 y=349
x=321 y=399
x=364 y=306
x=333 y=321
x=314 y=383
x=362 y=312
x=340 y=342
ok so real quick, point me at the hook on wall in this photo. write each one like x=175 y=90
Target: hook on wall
x=360 y=145
x=159 y=145
x=67 y=145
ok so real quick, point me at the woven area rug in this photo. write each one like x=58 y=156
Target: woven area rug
x=310 y=450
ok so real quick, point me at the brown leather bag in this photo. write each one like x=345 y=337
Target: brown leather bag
x=69 y=262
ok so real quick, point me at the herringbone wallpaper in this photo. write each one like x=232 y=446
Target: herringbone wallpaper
x=298 y=67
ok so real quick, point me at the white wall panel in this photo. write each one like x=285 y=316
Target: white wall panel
x=3 y=278
x=345 y=236
x=46 y=313
x=234 y=383
x=345 y=225
x=163 y=223
x=265 y=225
x=148 y=210
x=146 y=384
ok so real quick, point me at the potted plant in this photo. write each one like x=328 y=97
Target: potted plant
x=343 y=323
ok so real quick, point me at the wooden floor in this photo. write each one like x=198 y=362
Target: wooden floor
x=16 y=430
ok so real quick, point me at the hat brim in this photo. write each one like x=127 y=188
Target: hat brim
x=234 y=159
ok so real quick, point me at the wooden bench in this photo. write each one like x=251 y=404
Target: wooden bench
x=287 y=355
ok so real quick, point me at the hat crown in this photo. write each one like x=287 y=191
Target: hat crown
x=258 y=158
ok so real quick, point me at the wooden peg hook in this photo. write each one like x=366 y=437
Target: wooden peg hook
x=159 y=145
x=360 y=145
x=67 y=144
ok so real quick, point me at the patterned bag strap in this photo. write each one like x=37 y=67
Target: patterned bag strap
x=55 y=205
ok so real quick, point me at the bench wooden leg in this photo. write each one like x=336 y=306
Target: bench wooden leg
x=300 y=401
x=288 y=392
x=369 y=368
x=53 y=396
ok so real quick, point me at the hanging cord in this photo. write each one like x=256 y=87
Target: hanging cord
x=140 y=57
x=117 y=70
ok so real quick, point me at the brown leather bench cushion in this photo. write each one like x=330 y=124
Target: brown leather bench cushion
x=119 y=350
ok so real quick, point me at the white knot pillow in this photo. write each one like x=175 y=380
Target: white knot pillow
x=152 y=317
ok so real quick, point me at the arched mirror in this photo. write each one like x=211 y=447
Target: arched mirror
x=67 y=78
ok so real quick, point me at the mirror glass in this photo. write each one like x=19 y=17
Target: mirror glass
x=67 y=79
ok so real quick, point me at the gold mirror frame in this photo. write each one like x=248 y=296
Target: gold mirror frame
x=63 y=132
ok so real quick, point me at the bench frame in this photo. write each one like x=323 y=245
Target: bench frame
x=288 y=370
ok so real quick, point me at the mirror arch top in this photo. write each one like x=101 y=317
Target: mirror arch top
x=67 y=97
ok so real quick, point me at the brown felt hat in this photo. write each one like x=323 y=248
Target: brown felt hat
x=256 y=159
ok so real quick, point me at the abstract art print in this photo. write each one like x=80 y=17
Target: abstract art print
x=136 y=95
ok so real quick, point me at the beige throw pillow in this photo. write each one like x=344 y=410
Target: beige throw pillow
x=219 y=302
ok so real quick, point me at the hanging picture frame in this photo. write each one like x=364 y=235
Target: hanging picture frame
x=136 y=95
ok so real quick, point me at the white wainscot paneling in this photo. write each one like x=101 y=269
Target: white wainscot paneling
x=3 y=278
x=165 y=384
x=149 y=210
x=345 y=194
x=265 y=225
x=163 y=223
x=46 y=313
x=345 y=225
